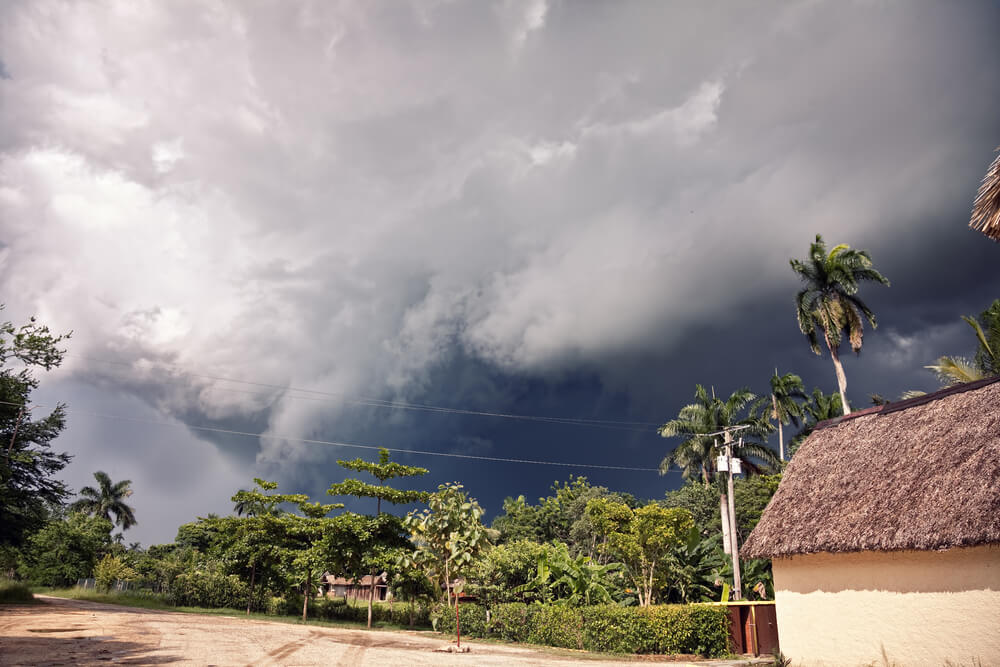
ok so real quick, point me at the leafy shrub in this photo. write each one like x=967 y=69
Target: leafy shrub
x=338 y=609
x=512 y=621
x=109 y=569
x=557 y=625
x=472 y=618
x=12 y=592
x=210 y=589
x=699 y=629
x=619 y=630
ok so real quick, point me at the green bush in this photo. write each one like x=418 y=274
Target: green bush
x=512 y=621
x=12 y=592
x=666 y=629
x=337 y=609
x=208 y=589
x=473 y=619
x=614 y=629
x=109 y=570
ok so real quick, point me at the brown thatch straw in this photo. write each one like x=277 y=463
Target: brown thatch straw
x=986 y=209
x=921 y=474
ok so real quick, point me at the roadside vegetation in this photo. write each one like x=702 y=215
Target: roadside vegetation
x=585 y=567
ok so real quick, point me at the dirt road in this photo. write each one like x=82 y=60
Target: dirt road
x=71 y=632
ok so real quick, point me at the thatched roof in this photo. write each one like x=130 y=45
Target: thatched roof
x=986 y=209
x=919 y=474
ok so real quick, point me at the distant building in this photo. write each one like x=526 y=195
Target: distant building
x=358 y=589
x=885 y=535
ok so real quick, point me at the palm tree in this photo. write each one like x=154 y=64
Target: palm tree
x=818 y=408
x=107 y=499
x=829 y=301
x=986 y=363
x=699 y=423
x=785 y=409
x=696 y=455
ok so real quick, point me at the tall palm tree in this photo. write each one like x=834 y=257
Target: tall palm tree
x=986 y=363
x=785 y=408
x=696 y=454
x=107 y=499
x=829 y=303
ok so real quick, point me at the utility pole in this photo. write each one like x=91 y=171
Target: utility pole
x=735 y=549
x=730 y=465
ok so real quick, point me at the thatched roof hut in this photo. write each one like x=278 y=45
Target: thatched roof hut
x=921 y=474
x=986 y=209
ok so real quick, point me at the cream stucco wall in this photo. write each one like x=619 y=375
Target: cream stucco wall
x=907 y=608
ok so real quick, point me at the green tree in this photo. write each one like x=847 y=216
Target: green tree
x=410 y=583
x=107 y=499
x=697 y=452
x=29 y=490
x=66 y=550
x=383 y=471
x=701 y=501
x=559 y=517
x=505 y=568
x=829 y=301
x=700 y=423
x=567 y=580
x=694 y=568
x=110 y=569
x=986 y=361
x=786 y=391
x=306 y=533
x=449 y=534
x=518 y=521
x=644 y=543
x=261 y=541
x=818 y=408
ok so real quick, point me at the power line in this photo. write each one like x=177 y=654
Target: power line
x=311 y=441
x=400 y=405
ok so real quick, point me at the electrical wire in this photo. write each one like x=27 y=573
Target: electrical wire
x=312 y=441
x=396 y=404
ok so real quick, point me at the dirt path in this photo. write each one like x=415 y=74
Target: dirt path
x=72 y=632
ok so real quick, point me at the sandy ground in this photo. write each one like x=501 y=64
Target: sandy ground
x=72 y=632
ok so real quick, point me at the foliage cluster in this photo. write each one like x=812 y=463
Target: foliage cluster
x=666 y=629
x=14 y=592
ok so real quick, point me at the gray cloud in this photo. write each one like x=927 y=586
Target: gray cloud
x=355 y=197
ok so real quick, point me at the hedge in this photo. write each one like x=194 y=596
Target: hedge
x=667 y=629
x=337 y=609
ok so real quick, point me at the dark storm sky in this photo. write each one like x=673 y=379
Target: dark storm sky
x=539 y=208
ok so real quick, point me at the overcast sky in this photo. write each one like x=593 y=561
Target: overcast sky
x=560 y=209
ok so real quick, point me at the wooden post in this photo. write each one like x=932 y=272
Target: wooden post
x=458 y=625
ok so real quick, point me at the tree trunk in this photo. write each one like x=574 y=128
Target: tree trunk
x=371 y=599
x=447 y=583
x=371 y=592
x=411 y=612
x=841 y=377
x=253 y=572
x=777 y=418
x=649 y=590
x=305 y=596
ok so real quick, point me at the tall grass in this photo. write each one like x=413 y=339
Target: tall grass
x=12 y=592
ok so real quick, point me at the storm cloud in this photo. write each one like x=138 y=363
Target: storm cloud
x=551 y=208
